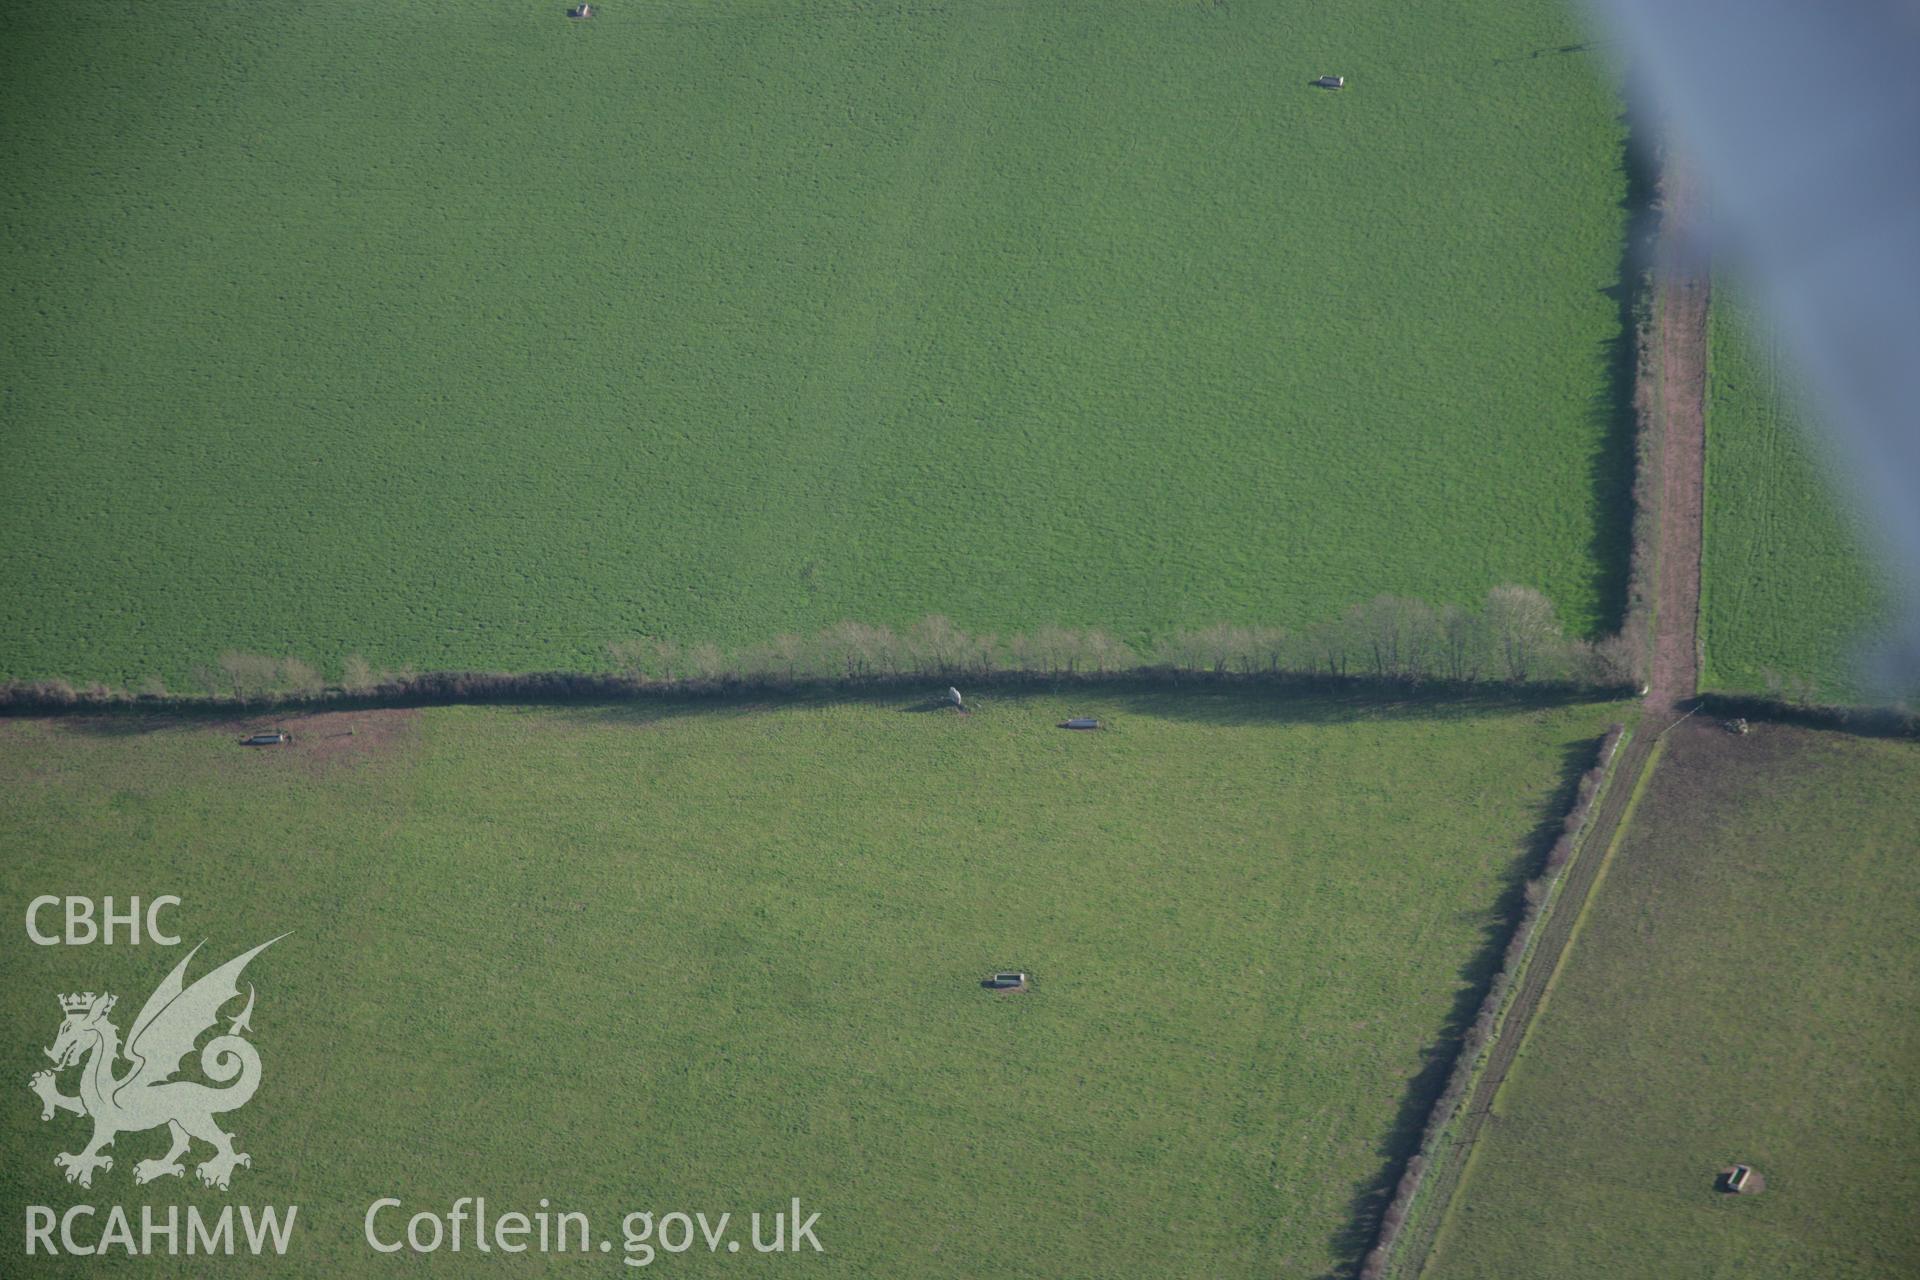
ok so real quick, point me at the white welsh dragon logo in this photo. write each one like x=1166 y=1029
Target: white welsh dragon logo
x=145 y=1097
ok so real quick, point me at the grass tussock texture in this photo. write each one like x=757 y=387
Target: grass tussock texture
x=1743 y=989
x=687 y=957
x=473 y=338
x=1790 y=597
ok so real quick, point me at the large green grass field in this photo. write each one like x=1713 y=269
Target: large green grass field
x=1746 y=987
x=467 y=336
x=1790 y=595
x=712 y=957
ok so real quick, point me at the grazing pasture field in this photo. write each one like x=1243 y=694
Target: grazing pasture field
x=714 y=956
x=1788 y=592
x=467 y=336
x=1746 y=988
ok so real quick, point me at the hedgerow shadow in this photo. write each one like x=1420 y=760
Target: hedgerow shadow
x=1192 y=697
x=1614 y=460
x=1401 y=1142
x=1224 y=701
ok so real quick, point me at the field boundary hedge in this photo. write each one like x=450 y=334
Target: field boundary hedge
x=1412 y=1217
x=1640 y=313
x=1513 y=639
x=1870 y=722
x=1638 y=627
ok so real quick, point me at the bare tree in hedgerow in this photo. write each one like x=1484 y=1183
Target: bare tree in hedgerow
x=1525 y=632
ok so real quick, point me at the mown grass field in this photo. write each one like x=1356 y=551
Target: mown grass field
x=714 y=956
x=465 y=336
x=1744 y=989
x=1789 y=595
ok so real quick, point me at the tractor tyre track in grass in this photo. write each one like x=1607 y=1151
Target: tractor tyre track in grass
x=1682 y=285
